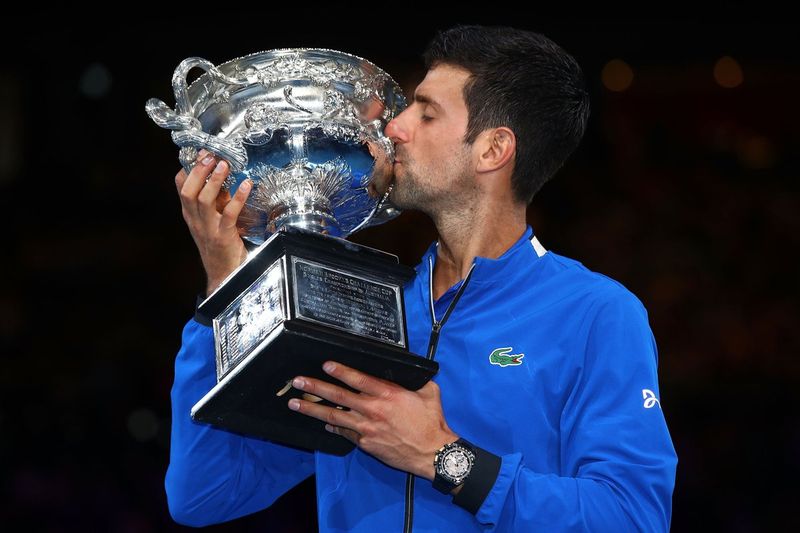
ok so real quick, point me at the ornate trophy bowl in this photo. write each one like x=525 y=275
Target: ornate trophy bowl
x=306 y=127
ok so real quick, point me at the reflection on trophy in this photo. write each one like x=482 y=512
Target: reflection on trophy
x=306 y=127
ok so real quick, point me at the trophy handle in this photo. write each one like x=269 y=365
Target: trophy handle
x=169 y=119
x=181 y=88
x=192 y=140
x=186 y=128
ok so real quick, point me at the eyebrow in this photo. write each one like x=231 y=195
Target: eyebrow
x=425 y=99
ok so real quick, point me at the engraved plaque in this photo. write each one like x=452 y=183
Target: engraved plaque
x=348 y=302
x=249 y=319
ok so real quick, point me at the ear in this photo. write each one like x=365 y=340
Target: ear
x=497 y=148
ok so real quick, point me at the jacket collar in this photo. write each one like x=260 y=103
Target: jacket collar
x=520 y=255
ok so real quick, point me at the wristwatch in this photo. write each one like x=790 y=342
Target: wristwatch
x=453 y=464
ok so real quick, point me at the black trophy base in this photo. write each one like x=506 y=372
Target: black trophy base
x=252 y=399
x=311 y=298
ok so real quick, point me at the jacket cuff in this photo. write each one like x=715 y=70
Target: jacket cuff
x=199 y=317
x=480 y=481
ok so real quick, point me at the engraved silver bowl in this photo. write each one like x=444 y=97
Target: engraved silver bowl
x=304 y=124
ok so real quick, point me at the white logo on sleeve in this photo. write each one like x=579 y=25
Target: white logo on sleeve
x=650 y=399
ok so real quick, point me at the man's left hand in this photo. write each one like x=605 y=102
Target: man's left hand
x=401 y=428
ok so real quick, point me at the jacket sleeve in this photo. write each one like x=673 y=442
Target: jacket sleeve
x=214 y=475
x=617 y=459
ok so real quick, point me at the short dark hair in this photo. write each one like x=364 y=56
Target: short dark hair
x=526 y=82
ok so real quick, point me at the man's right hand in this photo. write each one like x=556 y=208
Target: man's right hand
x=211 y=217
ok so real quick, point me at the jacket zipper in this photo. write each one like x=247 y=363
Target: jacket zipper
x=433 y=343
x=434 y=339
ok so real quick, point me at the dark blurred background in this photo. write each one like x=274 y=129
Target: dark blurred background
x=684 y=189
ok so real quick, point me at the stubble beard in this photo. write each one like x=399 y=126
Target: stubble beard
x=407 y=192
x=411 y=192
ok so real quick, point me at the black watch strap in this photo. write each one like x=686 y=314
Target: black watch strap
x=480 y=480
x=442 y=485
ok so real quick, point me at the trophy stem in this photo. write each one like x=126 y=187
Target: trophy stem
x=318 y=220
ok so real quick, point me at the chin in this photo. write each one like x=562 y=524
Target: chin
x=397 y=198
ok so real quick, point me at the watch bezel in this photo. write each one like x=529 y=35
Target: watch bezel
x=439 y=462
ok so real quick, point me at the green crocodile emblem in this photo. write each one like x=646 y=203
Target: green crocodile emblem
x=500 y=357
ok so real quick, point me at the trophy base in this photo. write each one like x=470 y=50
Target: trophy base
x=252 y=399
x=302 y=299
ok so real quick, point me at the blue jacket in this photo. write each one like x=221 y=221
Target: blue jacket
x=544 y=363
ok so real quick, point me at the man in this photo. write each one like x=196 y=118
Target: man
x=544 y=415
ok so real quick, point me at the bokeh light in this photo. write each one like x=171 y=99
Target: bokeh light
x=728 y=73
x=617 y=75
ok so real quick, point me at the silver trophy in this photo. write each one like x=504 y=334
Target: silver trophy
x=306 y=127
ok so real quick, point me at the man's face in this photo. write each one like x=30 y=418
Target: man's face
x=434 y=166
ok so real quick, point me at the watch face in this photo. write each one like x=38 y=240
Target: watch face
x=456 y=463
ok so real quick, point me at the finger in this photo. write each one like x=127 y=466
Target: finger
x=208 y=194
x=359 y=380
x=180 y=178
x=230 y=214
x=329 y=415
x=197 y=179
x=329 y=391
x=349 y=434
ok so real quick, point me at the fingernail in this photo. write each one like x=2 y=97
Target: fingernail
x=245 y=186
x=329 y=427
x=208 y=159
x=329 y=367
x=201 y=153
x=298 y=383
x=294 y=404
x=220 y=167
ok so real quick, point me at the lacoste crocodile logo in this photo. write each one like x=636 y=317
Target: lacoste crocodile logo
x=500 y=357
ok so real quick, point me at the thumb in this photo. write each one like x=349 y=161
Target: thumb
x=431 y=390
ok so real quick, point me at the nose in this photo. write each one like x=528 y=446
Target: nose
x=396 y=129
